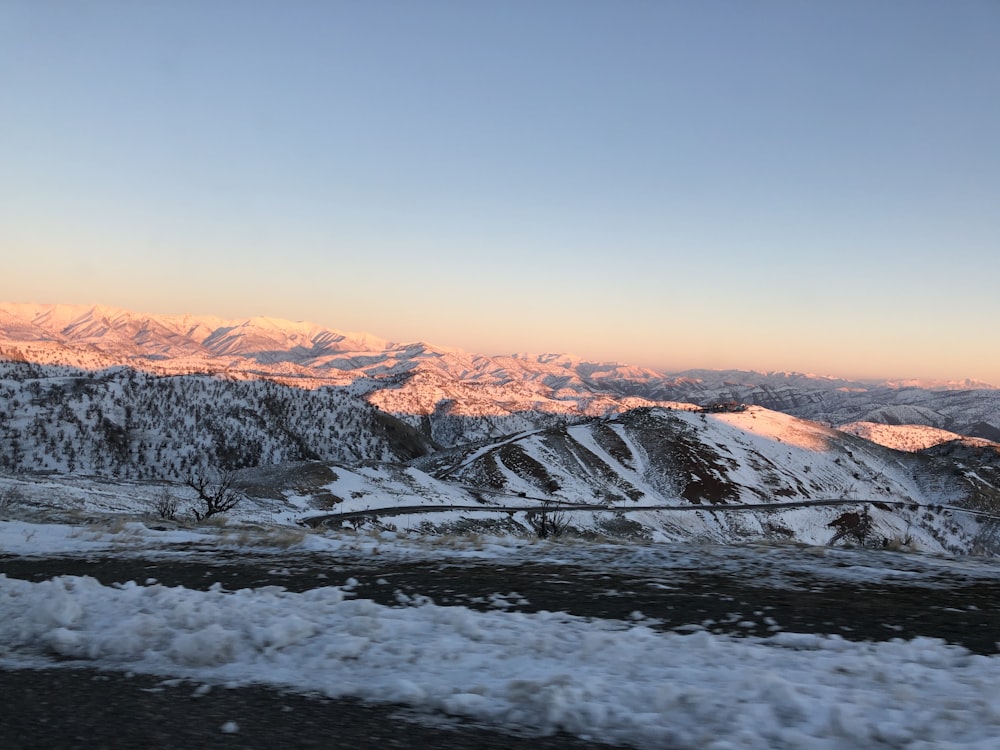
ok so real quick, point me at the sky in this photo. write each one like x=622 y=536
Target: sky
x=771 y=185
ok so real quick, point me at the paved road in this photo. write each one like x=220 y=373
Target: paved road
x=967 y=613
x=543 y=505
x=84 y=708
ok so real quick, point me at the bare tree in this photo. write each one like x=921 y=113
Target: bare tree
x=547 y=523
x=165 y=505
x=219 y=496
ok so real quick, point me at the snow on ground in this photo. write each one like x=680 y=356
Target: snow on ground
x=907 y=437
x=583 y=435
x=776 y=425
x=767 y=564
x=610 y=681
x=28 y=538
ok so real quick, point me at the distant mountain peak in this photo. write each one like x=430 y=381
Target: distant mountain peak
x=422 y=379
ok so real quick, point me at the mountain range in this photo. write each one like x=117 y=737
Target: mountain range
x=442 y=391
x=104 y=392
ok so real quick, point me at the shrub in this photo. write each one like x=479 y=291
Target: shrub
x=547 y=523
x=11 y=497
x=165 y=505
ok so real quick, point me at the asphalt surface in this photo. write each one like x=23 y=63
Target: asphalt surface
x=967 y=614
x=85 y=708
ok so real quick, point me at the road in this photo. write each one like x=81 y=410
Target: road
x=543 y=505
x=85 y=708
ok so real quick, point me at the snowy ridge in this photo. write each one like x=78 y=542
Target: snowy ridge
x=969 y=412
x=658 y=457
x=653 y=456
x=125 y=336
x=416 y=380
x=126 y=423
x=907 y=437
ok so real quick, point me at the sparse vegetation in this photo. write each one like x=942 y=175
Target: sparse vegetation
x=11 y=497
x=165 y=505
x=216 y=495
x=899 y=543
x=127 y=423
x=517 y=460
x=858 y=526
x=549 y=523
x=282 y=538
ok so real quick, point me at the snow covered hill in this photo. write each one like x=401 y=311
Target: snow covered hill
x=647 y=474
x=114 y=394
x=127 y=423
x=658 y=457
x=907 y=437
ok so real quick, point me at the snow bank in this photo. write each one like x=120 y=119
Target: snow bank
x=28 y=538
x=774 y=565
x=545 y=671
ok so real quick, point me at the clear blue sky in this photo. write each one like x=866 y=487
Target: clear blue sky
x=775 y=185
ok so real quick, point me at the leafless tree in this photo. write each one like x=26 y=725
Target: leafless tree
x=165 y=505
x=216 y=494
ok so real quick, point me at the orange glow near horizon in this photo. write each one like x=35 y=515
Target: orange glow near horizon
x=682 y=351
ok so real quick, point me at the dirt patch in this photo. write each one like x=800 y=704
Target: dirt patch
x=308 y=478
x=515 y=459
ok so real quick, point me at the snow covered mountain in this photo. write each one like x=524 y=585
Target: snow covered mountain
x=454 y=396
x=107 y=392
x=973 y=412
x=80 y=335
x=655 y=458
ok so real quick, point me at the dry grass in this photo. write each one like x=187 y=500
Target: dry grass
x=249 y=536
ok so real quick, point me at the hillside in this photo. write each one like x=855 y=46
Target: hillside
x=126 y=423
x=652 y=474
x=658 y=457
x=902 y=437
x=495 y=442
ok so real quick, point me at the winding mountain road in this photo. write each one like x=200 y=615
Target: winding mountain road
x=554 y=506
